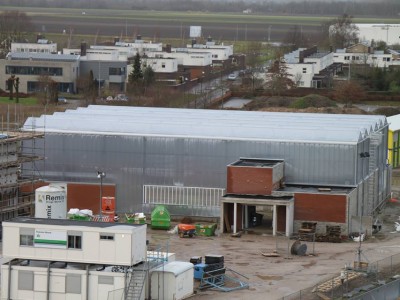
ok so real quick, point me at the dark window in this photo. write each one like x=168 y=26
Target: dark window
x=105 y=236
x=21 y=70
x=74 y=242
x=117 y=71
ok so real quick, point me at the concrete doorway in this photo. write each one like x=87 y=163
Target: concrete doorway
x=261 y=214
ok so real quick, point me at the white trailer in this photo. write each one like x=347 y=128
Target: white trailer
x=172 y=281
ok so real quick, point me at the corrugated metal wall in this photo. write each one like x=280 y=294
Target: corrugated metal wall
x=133 y=161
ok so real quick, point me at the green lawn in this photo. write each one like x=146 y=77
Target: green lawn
x=75 y=15
x=23 y=101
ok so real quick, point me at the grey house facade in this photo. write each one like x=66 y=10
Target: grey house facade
x=28 y=67
x=108 y=74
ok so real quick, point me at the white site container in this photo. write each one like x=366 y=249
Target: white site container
x=50 y=202
x=172 y=281
x=87 y=242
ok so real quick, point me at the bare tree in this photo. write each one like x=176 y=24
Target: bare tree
x=87 y=86
x=14 y=26
x=297 y=79
x=349 y=92
x=48 y=90
x=295 y=38
x=342 y=31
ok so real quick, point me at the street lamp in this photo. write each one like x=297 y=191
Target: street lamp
x=101 y=175
x=99 y=81
x=185 y=79
x=359 y=251
x=201 y=90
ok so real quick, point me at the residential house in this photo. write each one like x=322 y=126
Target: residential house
x=222 y=55
x=29 y=66
x=109 y=66
x=362 y=54
x=311 y=68
x=41 y=46
x=190 y=64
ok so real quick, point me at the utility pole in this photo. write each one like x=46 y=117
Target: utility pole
x=101 y=175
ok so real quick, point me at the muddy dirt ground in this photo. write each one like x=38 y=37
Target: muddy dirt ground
x=276 y=277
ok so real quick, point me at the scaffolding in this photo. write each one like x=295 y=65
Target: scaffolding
x=18 y=153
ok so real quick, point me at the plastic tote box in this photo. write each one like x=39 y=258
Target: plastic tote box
x=199 y=271
x=160 y=218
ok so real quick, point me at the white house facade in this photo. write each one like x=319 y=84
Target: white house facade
x=308 y=67
x=301 y=74
x=41 y=46
x=185 y=57
x=377 y=59
x=218 y=52
x=139 y=46
x=159 y=65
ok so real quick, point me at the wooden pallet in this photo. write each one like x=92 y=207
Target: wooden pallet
x=336 y=282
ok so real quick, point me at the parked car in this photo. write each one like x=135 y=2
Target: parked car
x=109 y=98
x=62 y=100
x=232 y=76
x=121 y=97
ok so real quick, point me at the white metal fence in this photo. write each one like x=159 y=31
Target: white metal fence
x=187 y=201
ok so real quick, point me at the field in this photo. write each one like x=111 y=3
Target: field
x=161 y=26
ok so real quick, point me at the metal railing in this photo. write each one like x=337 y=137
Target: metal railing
x=361 y=281
x=189 y=201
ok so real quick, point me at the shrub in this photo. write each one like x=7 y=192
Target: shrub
x=312 y=101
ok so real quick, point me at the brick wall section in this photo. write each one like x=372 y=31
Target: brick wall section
x=320 y=207
x=81 y=195
x=250 y=181
x=87 y=196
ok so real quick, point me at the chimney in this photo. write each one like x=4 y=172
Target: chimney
x=83 y=48
x=116 y=40
x=39 y=36
x=209 y=39
x=193 y=42
x=301 y=57
x=138 y=37
x=168 y=48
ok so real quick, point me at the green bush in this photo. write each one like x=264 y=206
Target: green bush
x=312 y=101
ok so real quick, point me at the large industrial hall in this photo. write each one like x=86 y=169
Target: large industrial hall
x=327 y=163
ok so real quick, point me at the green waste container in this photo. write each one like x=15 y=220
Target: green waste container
x=79 y=218
x=160 y=218
x=206 y=230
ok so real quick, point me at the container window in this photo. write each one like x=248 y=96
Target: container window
x=106 y=236
x=26 y=240
x=74 y=242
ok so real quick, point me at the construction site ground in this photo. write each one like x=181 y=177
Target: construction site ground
x=276 y=277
